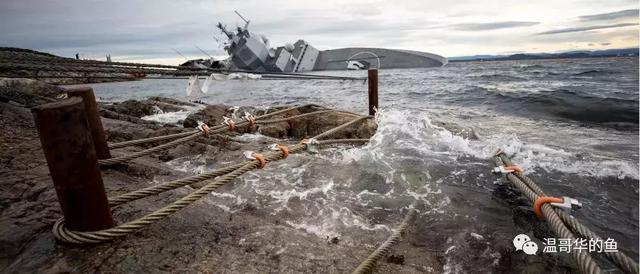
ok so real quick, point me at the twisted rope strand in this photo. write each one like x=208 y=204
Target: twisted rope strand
x=369 y=263
x=583 y=259
x=62 y=233
x=620 y=259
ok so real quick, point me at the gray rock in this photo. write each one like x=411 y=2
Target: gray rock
x=210 y=115
x=141 y=108
x=315 y=124
x=28 y=92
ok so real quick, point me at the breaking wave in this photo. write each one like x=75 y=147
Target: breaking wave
x=431 y=140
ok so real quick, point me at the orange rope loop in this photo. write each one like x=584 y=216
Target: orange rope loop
x=284 y=149
x=250 y=119
x=537 y=205
x=261 y=159
x=229 y=122
x=514 y=168
x=204 y=128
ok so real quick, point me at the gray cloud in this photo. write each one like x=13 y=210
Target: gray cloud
x=136 y=28
x=493 y=25
x=581 y=29
x=631 y=13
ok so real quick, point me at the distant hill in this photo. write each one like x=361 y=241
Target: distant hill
x=30 y=51
x=533 y=56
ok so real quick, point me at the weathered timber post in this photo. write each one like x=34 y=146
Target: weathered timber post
x=91 y=109
x=373 y=91
x=73 y=165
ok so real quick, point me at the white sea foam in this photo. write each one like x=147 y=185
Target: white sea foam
x=397 y=129
x=191 y=164
x=171 y=117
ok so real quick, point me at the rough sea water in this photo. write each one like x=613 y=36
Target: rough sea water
x=571 y=124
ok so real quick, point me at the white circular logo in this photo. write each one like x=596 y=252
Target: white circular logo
x=524 y=243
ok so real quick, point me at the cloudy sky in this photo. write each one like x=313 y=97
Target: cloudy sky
x=152 y=30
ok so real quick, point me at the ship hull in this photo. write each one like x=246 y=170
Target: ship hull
x=340 y=59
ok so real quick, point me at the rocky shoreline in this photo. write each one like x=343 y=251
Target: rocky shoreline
x=18 y=55
x=200 y=238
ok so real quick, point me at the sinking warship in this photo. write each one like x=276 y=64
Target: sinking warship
x=252 y=52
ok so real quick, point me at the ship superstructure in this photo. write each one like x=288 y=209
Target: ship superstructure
x=252 y=52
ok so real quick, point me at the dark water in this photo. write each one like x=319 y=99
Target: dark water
x=572 y=124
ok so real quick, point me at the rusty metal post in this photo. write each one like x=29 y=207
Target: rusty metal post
x=373 y=91
x=91 y=109
x=73 y=165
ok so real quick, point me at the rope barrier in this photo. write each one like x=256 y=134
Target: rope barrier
x=151 y=139
x=583 y=259
x=64 y=234
x=368 y=264
x=177 y=135
x=126 y=158
x=218 y=129
x=620 y=259
x=166 y=186
x=333 y=141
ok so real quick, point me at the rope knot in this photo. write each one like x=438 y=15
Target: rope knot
x=284 y=149
x=250 y=119
x=229 y=122
x=507 y=169
x=256 y=156
x=311 y=145
x=537 y=205
x=204 y=128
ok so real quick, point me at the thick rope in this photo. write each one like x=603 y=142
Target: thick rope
x=273 y=121
x=166 y=186
x=64 y=234
x=183 y=134
x=127 y=158
x=341 y=127
x=217 y=129
x=368 y=264
x=151 y=139
x=285 y=119
x=335 y=141
x=623 y=261
x=583 y=259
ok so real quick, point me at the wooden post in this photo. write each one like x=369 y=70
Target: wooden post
x=91 y=109
x=373 y=91
x=73 y=165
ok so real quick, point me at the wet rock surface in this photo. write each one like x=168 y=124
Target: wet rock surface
x=200 y=238
x=298 y=128
x=142 y=108
x=27 y=92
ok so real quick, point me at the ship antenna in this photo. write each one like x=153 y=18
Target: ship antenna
x=201 y=50
x=246 y=22
x=180 y=54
